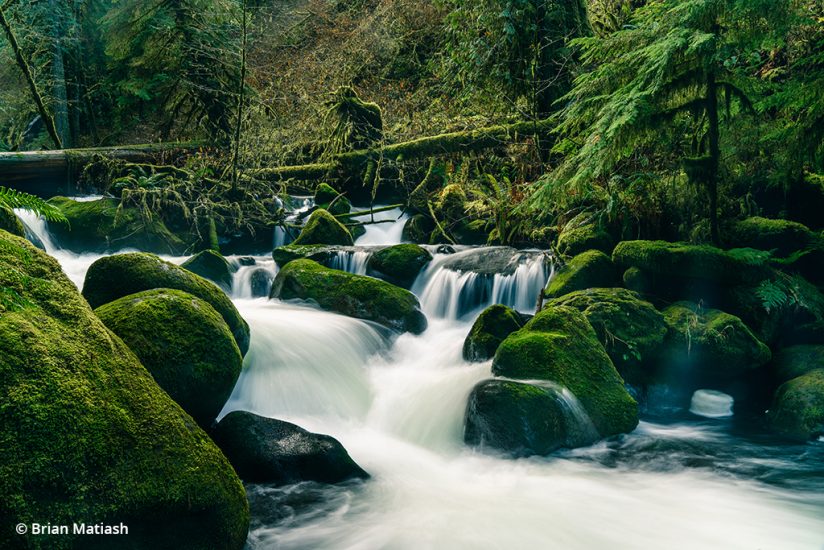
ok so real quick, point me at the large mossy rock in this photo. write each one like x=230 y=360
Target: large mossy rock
x=631 y=329
x=795 y=361
x=97 y=226
x=399 y=264
x=265 y=450
x=87 y=435
x=782 y=236
x=183 y=342
x=797 y=411
x=326 y=196
x=117 y=276
x=709 y=347
x=559 y=345
x=418 y=228
x=211 y=265
x=575 y=239
x=323 y=228
x=320 y=253
x=491 y=328
x=522 y=419
x=11 y=223
x=590 y=269
x=353 y=295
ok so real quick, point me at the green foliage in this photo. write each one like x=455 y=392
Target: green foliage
x=11 y=198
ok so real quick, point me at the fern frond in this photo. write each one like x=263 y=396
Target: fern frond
x=18 y=199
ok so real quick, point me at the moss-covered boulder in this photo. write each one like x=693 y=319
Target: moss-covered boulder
x=590 y=269
x=323 y=228
x=795 y=361
x=450 y=204
x=559 y=345
x=575 y=239
x=211 y=265
x=353 y=295
x=491 y=328
x=797 y=411
x=87 y=435
x=418 y=228
x=320 y=253
x=265 y=450
x=708 y=347
x=631 y=329
x=116 y=276
x=523 y=419
x=782 y=236
x=329 y=199
x=183 y=342
x=10 y=222
x=97 y=226
x=399 y=264
x=472 y=232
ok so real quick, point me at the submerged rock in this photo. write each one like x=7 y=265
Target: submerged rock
x=399 y=264
x=323 y=228
x=590 y=269
x=491 y=328
x=98 y=226
x=524 y=419
x=116 y=276
x=708 y=347
x=797 y=411
x=87 y=435
x=261 y=282
x=575 y=239
x=631 y=330
x=212 y=266
x=183 y=342
x=265 y=450
x=559 y=345
x=353 y=295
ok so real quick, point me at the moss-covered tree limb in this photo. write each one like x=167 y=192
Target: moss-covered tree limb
x=454 y=142
x=48 y=120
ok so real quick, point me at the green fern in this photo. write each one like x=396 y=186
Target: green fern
x=12 y=198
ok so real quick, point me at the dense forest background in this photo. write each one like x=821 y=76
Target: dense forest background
x=657 y=119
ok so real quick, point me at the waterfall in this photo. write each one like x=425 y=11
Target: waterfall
x=450 y=293
x=255 y=280
x=352 y=261
x=387 y=233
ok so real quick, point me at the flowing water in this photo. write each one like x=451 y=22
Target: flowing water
x=397 y=404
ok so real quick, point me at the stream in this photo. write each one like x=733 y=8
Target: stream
x=397 y=404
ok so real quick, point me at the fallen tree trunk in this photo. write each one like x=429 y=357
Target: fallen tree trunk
x=48 y=173
x=454 y=142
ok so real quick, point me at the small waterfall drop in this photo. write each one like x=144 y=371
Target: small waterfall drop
x=388 y=232
x=255 y=280
x=352 y=261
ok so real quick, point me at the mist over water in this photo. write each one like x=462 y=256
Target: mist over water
x=397 y=404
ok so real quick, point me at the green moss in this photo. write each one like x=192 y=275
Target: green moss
x=471 y=232
x=709 y=346
x=796 y=361
x=97 y=226
x=116 y=276
x=575 y=240
x=353 y=295
x=797 y=411
x=559 y=345
x=491 y=328
x=631 y=330
x=679 y=260
x=782 y=236
x=212 y=266
x=590 y=269
x=517 y=418
x=325 y=194
x=320 y=253
x=635 y=279
x=450 y=203
x=323 y=228
x=399 y=264
x=87 y=435
x=183 y=342
x=10 y=222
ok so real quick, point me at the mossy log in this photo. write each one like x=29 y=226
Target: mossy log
x=453 y=142
x=50 y=173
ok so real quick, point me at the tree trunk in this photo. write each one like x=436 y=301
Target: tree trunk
x=714 y=156
x=48 y=121
x=242 y=88
x=58 y=72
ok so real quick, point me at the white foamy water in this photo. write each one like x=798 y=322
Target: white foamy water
x=397 y=405
x=386 y=233
x=352 y=261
